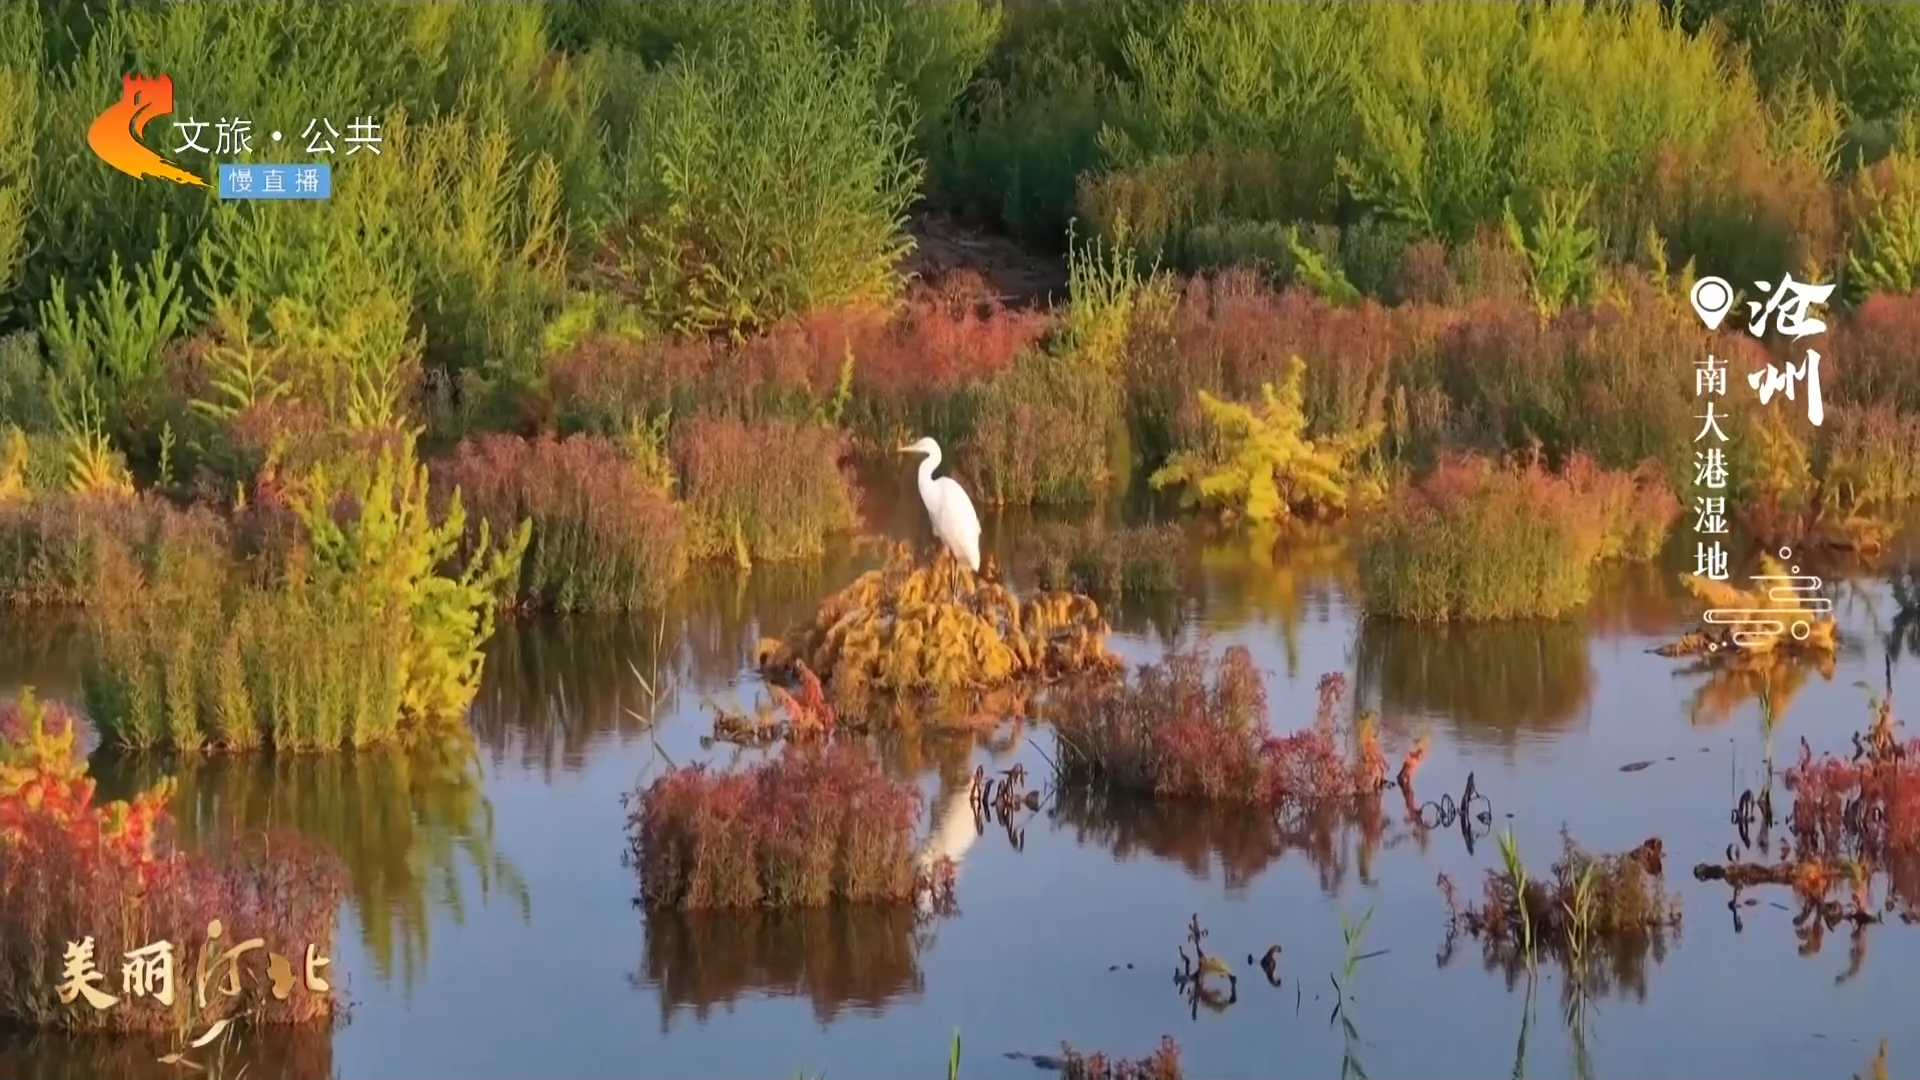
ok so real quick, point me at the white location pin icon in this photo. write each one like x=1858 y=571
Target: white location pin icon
x=1712 y=296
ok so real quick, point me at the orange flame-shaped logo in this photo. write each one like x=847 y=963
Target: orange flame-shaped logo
x=115 y=134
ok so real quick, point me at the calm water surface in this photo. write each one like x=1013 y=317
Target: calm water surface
x=491 y=931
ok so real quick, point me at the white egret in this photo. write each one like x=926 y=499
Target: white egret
x=951 y=512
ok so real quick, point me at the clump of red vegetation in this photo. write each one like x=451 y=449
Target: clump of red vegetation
x=72 y=870
x=815 y=825
x=896 y=364
x=939 y=340
x=773 y=489
x=1878 y=345
x=606 y=537
x=1866 y=808
x=1173 y=732
x=1162 y=1064
x=1851 y=818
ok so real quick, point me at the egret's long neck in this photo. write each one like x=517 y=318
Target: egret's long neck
x=927 y=464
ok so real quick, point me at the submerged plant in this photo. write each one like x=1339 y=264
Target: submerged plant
x=1619 y=900
x=1162 y=1064
x=1517 y=876
x=1193 y=727
x=1352 y=936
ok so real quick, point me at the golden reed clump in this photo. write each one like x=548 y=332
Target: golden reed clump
x=932 y=631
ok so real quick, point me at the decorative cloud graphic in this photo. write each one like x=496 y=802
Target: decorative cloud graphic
x=115 y=134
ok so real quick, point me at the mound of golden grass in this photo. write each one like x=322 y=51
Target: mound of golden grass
x=912 y=630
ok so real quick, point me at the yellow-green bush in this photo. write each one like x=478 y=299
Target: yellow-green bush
x=1263 y=467
x=1886 y=243
x=1438 y=115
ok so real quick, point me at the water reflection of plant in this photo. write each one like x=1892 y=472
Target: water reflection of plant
x=288 y=1052
x=405 y=823
x=42 y=651
x=1253 y=578
x=1493 y=678
x=1771 y=679
x=551 y=690
x=1333 y=835
x=860 y=955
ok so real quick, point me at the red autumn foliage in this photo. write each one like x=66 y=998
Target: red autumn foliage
x=1874 y=350
x=1866 y=808
x=905 y=360
x=608 y=383
x=815 y=825
x=772 y=489
x=941 y=339
x=605 y=536
x=51 y=546
x=70 y=870
x=1230 y=332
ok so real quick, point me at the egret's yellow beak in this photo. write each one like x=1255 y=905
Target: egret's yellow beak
x=904 y=450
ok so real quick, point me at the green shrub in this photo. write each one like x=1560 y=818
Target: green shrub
x=26 y=400
x=930 y=51
x=1477 y=541
x=447 y=229
x=21 y=70
x=1226 y=242
x=1040 y=433
x=1562 y=253
x=1269 y=81
x=1423 y=114
x=768 y=173
x=767 y=490
x=1025 y=139
x=1154 y=206
x=659 y=30
x=1868 y=55
x=277 y=63
x=113 y=338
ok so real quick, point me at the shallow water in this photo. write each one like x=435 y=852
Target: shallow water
x=491 y=932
